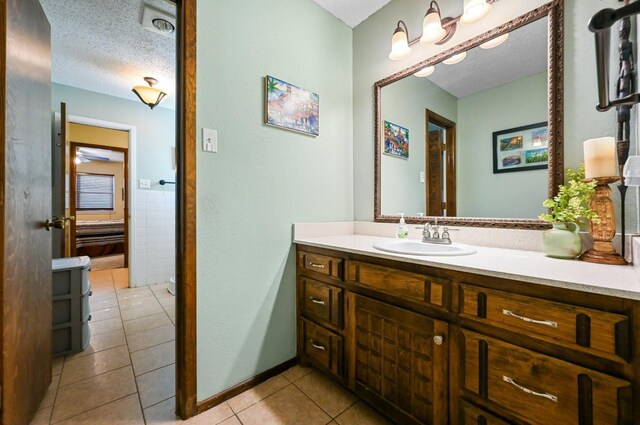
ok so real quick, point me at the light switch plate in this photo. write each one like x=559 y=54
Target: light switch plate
x=209 y=140
x=145 y=184
x=421 y=176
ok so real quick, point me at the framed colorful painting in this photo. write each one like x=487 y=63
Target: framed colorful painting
x=290 y=107
x=521 y=148
x=396 y=140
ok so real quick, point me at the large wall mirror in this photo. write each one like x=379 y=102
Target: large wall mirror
x=477 y=141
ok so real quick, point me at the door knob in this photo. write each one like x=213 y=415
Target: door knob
x=438 y=339
x=57 y=222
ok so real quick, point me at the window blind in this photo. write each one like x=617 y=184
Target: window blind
x=95 y=191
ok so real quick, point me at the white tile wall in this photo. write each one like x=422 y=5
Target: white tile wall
x=154 y=260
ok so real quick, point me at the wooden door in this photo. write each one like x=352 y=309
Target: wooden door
x=434 y=174
x=399 y=361
x=25 y=167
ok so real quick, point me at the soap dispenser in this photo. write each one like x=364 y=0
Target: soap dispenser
x=403 y=230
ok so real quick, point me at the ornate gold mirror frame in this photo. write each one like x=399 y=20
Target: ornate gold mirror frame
x=555 y=13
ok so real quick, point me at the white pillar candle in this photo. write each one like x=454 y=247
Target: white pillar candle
x=600 y=157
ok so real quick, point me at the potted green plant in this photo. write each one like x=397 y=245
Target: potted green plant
x=568 y=210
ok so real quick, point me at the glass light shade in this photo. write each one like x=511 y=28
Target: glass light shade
x=399 y=45
x=425 y=72
x=631 y=171
x=474 y=10
x=432 y=30
x=150 y=95
x=455 y=59
x=495 y=42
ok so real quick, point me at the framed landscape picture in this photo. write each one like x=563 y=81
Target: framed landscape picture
x=290 y=107
x=521 y=148
x=396 y=140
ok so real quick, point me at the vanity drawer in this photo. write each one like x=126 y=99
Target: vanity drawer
x=409 y=286
x=599 y=332
x=322 y=264
x=322 y=346
x=474 y=415
x=540 y=389
x=322 y=302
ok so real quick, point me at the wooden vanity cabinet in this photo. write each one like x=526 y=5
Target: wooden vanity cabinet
x=399 y=359
x=425 y=345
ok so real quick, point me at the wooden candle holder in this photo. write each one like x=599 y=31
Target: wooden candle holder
x=603 y=233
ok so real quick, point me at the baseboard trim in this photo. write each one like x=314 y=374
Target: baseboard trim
x=225 y=395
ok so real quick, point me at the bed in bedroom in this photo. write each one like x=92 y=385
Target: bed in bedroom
x=99 y=237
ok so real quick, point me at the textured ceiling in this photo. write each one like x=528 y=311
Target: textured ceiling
x=99 y=45
x=523 y=54
x=352 y=12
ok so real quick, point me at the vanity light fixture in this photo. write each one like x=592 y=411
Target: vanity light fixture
x=150 y=96
x=432 y=26
x=495 y=42
x=400 y=42
x=474 y=10
x=435 y=28
x=455 y=59
x=425 y=72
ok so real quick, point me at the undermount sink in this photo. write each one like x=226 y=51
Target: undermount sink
x=414 y=247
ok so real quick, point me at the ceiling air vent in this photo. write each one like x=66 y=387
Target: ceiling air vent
x=159 y=22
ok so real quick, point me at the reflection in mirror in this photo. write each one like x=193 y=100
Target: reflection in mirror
x=470 y=139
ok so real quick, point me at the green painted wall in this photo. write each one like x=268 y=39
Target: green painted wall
x=371 y=44
x=263 y=179
x=480 y=193
x=155 y=129
x=404 y=103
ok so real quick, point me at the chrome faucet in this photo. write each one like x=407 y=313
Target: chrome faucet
x=434 y=237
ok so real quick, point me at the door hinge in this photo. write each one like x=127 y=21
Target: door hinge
x=444 y=205
x=444 y=147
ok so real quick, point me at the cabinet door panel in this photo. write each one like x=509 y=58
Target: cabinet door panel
x=397 y=360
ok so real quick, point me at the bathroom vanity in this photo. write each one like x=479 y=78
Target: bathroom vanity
x=427 y=340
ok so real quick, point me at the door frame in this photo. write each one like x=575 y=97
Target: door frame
x=186 y=274
x=73 y=172
x=133 y=176
x=450 y=158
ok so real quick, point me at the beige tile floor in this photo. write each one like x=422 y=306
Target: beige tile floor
x=127 y=374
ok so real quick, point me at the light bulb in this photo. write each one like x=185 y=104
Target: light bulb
x=425 y=72
x=455 y=59
x=474 y=10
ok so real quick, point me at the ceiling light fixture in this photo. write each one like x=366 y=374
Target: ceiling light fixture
x=400 y=42
x=455 y=59
x=150 y=96
x=163 y=25
x=495 y=42
x=435 y=28
x=425 y=72
x=474 y=10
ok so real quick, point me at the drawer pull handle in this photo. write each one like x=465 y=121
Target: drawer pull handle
x=528 y=320
x=313 y=300
x=316 y=346
x=528 y=391
x=317 y=266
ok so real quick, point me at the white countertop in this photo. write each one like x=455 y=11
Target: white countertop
x=526 y=266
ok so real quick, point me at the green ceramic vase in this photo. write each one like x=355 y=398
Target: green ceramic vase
x=563 y=241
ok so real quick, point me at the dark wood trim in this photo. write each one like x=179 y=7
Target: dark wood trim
x=245 y=385
x=186 y=330
x=73 y=146
x=554 y=10
x=450 y=142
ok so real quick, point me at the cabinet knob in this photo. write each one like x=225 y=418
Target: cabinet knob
x=438 y=339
